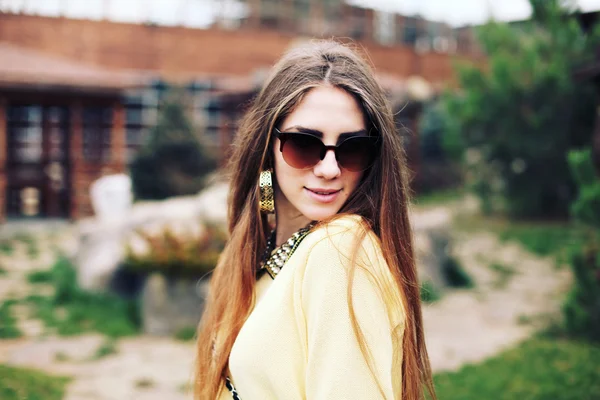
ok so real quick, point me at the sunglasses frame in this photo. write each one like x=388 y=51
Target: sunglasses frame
x=284 y=136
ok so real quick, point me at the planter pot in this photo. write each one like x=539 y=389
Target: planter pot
x=170 y=304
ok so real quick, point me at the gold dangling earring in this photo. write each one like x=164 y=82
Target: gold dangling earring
x=267 y=199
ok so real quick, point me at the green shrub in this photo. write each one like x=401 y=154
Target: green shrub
x=517 y=117
x=582 y=307
x=8 y=322
x=186 y=334
x=455 y=275
x=539 y=369
x=173 y=162
x=27 y=384
x=504 y=274
x=107 y=347
x=179 y=256
x=438 y=168
x=71 y=310
x=429 y=293
x=439 y=197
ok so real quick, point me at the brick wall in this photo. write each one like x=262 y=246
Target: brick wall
x=178 y=53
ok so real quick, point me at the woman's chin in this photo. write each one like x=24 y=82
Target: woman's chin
x=321 y=213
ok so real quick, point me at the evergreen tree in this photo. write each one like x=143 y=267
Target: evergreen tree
x=173 y=162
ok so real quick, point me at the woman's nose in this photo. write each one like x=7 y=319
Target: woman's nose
x=328 y=167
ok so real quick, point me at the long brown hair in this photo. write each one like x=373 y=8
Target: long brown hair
x=381 y=199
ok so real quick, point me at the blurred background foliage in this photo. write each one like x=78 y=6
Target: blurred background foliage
x=512 y=122
x=174 y=160
x=185 y=256
x=582 y=307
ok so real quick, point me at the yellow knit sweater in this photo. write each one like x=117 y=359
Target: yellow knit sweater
x=299 y=342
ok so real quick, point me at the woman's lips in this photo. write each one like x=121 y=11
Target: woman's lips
x=323 y=195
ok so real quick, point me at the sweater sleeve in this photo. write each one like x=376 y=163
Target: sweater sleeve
x=336 y=366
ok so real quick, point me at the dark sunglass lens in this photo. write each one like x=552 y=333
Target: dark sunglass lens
x=357 y=154
x=301 y=150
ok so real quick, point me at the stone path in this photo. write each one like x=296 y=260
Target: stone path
x=465 y=326
x=515 y=295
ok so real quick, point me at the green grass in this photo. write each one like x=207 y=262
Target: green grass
x=439 y=197
x=8 y=322
x=186 y=334
x=429 y=293
x=543 y=238
x=33 y=251
x=106 y=348
x=504 y=274
x=31 y=243
x=144 y=383
x=71 y=310
x=6 y=247
x=539 y=369
x=40 y=276
x=61 y=357
x=26 y=384
x=3 y=271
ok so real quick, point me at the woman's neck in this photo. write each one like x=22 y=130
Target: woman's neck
x=288 y=224
x=287 y=227
x=288 y=219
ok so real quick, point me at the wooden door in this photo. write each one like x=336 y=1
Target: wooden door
x=38 y=161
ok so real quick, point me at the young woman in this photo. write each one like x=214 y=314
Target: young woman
x=322 y=303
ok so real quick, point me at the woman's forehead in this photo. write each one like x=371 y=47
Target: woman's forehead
x=327 y=109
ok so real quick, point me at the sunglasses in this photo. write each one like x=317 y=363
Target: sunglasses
x=304 y=151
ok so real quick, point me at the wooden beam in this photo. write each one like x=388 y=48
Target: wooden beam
x=118 y=142
x=3 y=157
x=76 y=157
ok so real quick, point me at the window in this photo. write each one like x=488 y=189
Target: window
x=213 y=121
x=57 y=126
x=410 y=31
x=141 y=111
x=25 y=134
x=97 y=126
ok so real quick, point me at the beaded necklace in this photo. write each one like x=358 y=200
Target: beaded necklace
x=274 y=258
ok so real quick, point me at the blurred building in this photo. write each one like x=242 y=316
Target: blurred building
x=78 y=97
x=326 y=18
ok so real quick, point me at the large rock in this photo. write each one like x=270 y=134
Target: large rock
x=102 y=240
x=172 y=304
x=431 y=229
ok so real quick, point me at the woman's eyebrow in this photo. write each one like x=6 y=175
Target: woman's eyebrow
x=345 y=135
x=302 y=129
x=319 y=134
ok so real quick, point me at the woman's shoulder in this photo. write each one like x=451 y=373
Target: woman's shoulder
x=343 y=231
x=346 y=250
x=344 y=241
